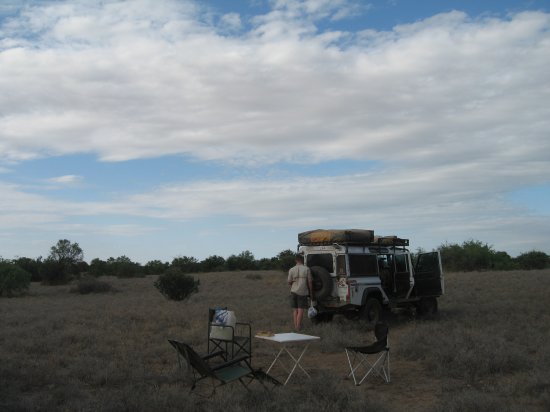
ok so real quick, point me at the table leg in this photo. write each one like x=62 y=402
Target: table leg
x=275 y=360
x=296 y=363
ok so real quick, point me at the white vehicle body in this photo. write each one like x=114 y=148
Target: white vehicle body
x=361 y=273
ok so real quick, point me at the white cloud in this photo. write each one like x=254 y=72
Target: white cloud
x=66 y=179
x=231 y=21
x=131 y=82
x=444 y=203
x=454 y=109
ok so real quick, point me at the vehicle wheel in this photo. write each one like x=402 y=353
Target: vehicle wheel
x=371 y=312
x=426 y=307
x=322 y=282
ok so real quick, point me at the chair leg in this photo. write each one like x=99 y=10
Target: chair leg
x=381 y=366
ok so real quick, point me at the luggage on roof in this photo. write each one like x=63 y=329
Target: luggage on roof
x=330 y=236
x=390 y=241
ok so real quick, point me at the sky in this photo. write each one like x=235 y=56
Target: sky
x=157 y=129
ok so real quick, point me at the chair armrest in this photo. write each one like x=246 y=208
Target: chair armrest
x=244 y=327
x=212 y=355
x=210 y=325
x=231 y=362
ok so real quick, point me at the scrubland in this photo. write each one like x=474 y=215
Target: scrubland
x=486 y=350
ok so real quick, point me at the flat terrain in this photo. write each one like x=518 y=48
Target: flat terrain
x=487 y=350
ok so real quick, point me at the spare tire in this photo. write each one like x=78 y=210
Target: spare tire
x=322 y=282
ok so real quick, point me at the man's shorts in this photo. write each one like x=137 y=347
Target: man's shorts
x=298 y=301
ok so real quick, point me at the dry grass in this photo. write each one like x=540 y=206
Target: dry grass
x=486 y=350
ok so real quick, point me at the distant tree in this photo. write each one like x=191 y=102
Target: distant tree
x=187 y=264
x=155 y=267
x=286 y=259
x=123 y=267
x=30 y=265
x=66 y=252
x=213 y=263
x=53 y=272
x=478 y=255
x=503 y=261
x=98 y=268
x=267 y=263
x=471 y=255
x=243 y=261
x=13 y=279
x=533 y=260
x=62 y=263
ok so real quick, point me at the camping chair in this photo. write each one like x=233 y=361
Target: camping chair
x=221 y=374
x=381 y=347
x=232 y=340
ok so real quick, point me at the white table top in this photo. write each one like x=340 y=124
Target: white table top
x=289 y=337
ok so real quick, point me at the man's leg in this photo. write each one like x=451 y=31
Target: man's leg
x=299 y=316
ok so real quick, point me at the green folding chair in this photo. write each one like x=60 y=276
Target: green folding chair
x=237 y=369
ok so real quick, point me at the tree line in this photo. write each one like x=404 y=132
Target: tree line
x=66 y=261
x=473 y=255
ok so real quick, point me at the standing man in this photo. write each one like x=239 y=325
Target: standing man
x=300 y=282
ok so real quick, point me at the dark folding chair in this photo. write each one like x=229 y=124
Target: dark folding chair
x=221 y=374
x=379 y=350
x=235 y=343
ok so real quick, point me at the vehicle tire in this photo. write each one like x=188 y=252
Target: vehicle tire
x=322 y=282
x=427 y=307
x=371 y=313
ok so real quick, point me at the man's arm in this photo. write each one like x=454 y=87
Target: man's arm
x=310 y=284
x=289 y=279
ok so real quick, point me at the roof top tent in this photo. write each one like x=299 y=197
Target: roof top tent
x=352 y=237
x=320 y=237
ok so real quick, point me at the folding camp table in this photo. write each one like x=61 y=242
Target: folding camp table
x=284 y=340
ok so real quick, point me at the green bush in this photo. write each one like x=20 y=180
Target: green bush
x=213 y=263
x=176 y=285
x=13 y=279
x=54 y=272
x=30 y=265
x=287 y=259
x=123 y=267
x=91 y=285
x=533 y=260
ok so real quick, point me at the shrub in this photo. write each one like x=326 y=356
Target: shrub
x=176 y=285
x=213 y=263
x=13 y=279
x=186 y=264
x=30 y=265
x=155 y=267
x=287 y=259
x=243 y=261
x=533 y=260
x=123 y=267
x=53 y=272
x=91 y=285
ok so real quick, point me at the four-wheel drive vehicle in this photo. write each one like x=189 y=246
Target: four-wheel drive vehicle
x=358 y=274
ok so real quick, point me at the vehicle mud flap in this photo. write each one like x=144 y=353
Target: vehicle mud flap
x=322 y=282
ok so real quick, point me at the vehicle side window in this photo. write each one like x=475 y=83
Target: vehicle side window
x=363 y=265
x=341 y=265
x=321 y=259
x=401 y=263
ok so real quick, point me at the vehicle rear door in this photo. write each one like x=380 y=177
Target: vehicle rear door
x=428 y=274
